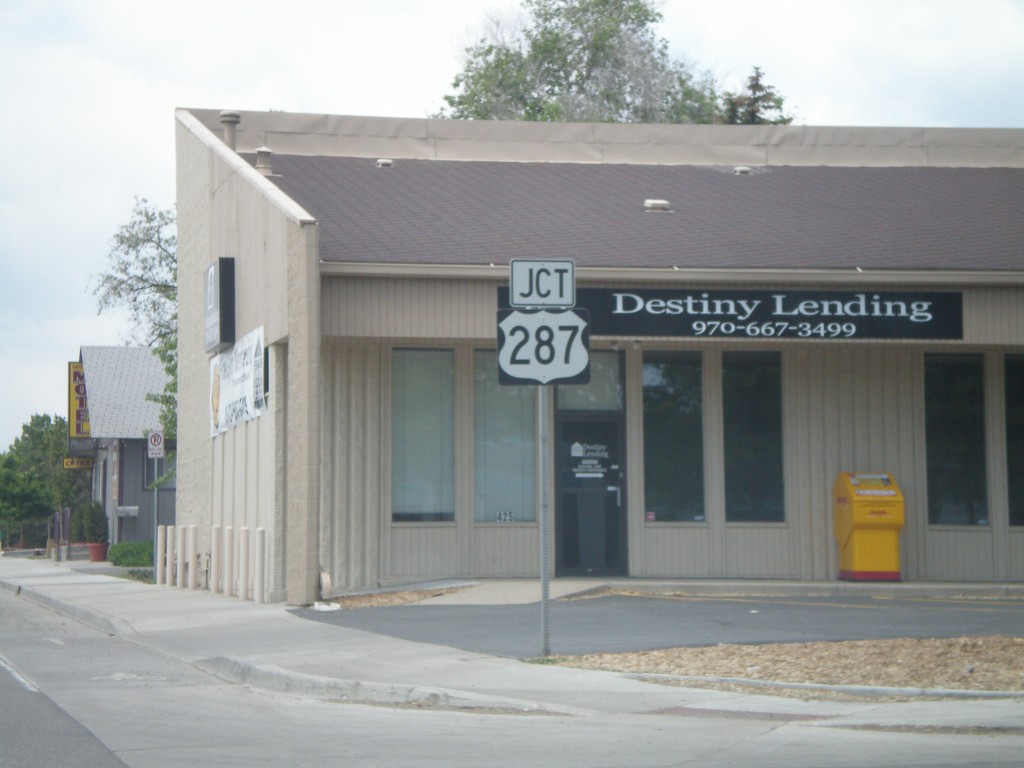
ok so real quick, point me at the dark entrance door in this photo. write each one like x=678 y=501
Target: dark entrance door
x=590 y=521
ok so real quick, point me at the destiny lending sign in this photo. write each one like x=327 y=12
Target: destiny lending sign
x=779 y=313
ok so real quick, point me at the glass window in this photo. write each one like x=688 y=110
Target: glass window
x=603 y=393
x=955 y=439
x=504 y=445
x=752 y=425
x=673 y=438
x=1015 y=436
x=422 y=435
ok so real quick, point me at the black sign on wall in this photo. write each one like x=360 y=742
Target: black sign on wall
x=219 y=306
x=743 y=314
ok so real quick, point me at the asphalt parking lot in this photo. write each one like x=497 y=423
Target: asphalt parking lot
x=620 y=623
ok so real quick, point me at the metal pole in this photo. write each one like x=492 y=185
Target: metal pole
x=542 y=416
x=156 y=523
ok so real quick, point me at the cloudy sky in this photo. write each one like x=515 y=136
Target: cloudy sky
x=89 y=89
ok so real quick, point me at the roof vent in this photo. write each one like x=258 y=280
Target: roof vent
x=229 y=120
x=657 y=206
x=741 y=170
x=263 y=161
x=385 y=162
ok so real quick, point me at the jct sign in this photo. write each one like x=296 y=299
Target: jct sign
x=536 y=283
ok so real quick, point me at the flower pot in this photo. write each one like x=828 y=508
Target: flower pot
x=97 y=551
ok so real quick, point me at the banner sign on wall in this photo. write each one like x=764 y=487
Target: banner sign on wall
x=747 y=314
x=236 y=384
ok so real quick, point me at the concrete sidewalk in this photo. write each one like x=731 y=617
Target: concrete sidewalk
x=267 y=646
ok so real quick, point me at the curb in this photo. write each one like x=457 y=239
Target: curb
x=715 y=588
x=10 y=588
x=270 y=677
x=99 y=621
x=867 y=691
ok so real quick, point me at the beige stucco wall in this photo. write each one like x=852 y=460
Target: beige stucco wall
x=262 y=474
x=314 y=471
x=853 y=406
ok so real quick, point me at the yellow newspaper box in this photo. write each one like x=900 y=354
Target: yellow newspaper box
x=869 y=514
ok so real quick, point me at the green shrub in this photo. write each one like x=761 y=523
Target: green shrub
x=131 y=554
x=145 y=575
x=89 y=522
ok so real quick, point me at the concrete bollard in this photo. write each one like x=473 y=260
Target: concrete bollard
x=216 y=542
x=259 y=589
x=159 y=557
x=180 y=560
x=229 y=560
x=243 y=564
x=193 y=556
x=169 y=565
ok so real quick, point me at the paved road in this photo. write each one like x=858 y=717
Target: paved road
x=36 y=732
x=153 y=676
x=621 y=623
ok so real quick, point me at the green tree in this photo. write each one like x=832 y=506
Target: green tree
x=759 y=104
x=23 y=499
x=579 y=60
x=142 y=277
x=33 y=481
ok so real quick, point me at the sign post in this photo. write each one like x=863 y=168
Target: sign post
x=543 y=341
x=155 y=451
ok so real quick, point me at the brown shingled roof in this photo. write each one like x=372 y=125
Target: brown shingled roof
x=782 y=217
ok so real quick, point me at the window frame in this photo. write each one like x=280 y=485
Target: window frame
x=693 y=357
x=448 y=492
x=529 y=516
x=932 y=460
x=776 y=361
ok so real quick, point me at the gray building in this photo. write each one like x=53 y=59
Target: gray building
x=118 y=381
x=769 y=306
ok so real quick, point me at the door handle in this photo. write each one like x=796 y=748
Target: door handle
x=618 y=493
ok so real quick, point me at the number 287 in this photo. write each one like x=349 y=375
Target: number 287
x=544 y=343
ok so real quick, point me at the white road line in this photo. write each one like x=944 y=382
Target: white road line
x=23 y=681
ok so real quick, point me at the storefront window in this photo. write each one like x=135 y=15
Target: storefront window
x=955 y=439
x=752 y=425
x=1015 y=436
x=603 y=393
x=673 y=438
x=504 y=446
x=422 y=435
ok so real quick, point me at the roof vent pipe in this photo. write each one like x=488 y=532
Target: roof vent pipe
x=657 y=206
x=263 y=161
x=229 y=120
x=741 y=170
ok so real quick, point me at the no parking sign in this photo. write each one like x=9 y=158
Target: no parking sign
x=156 y=445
